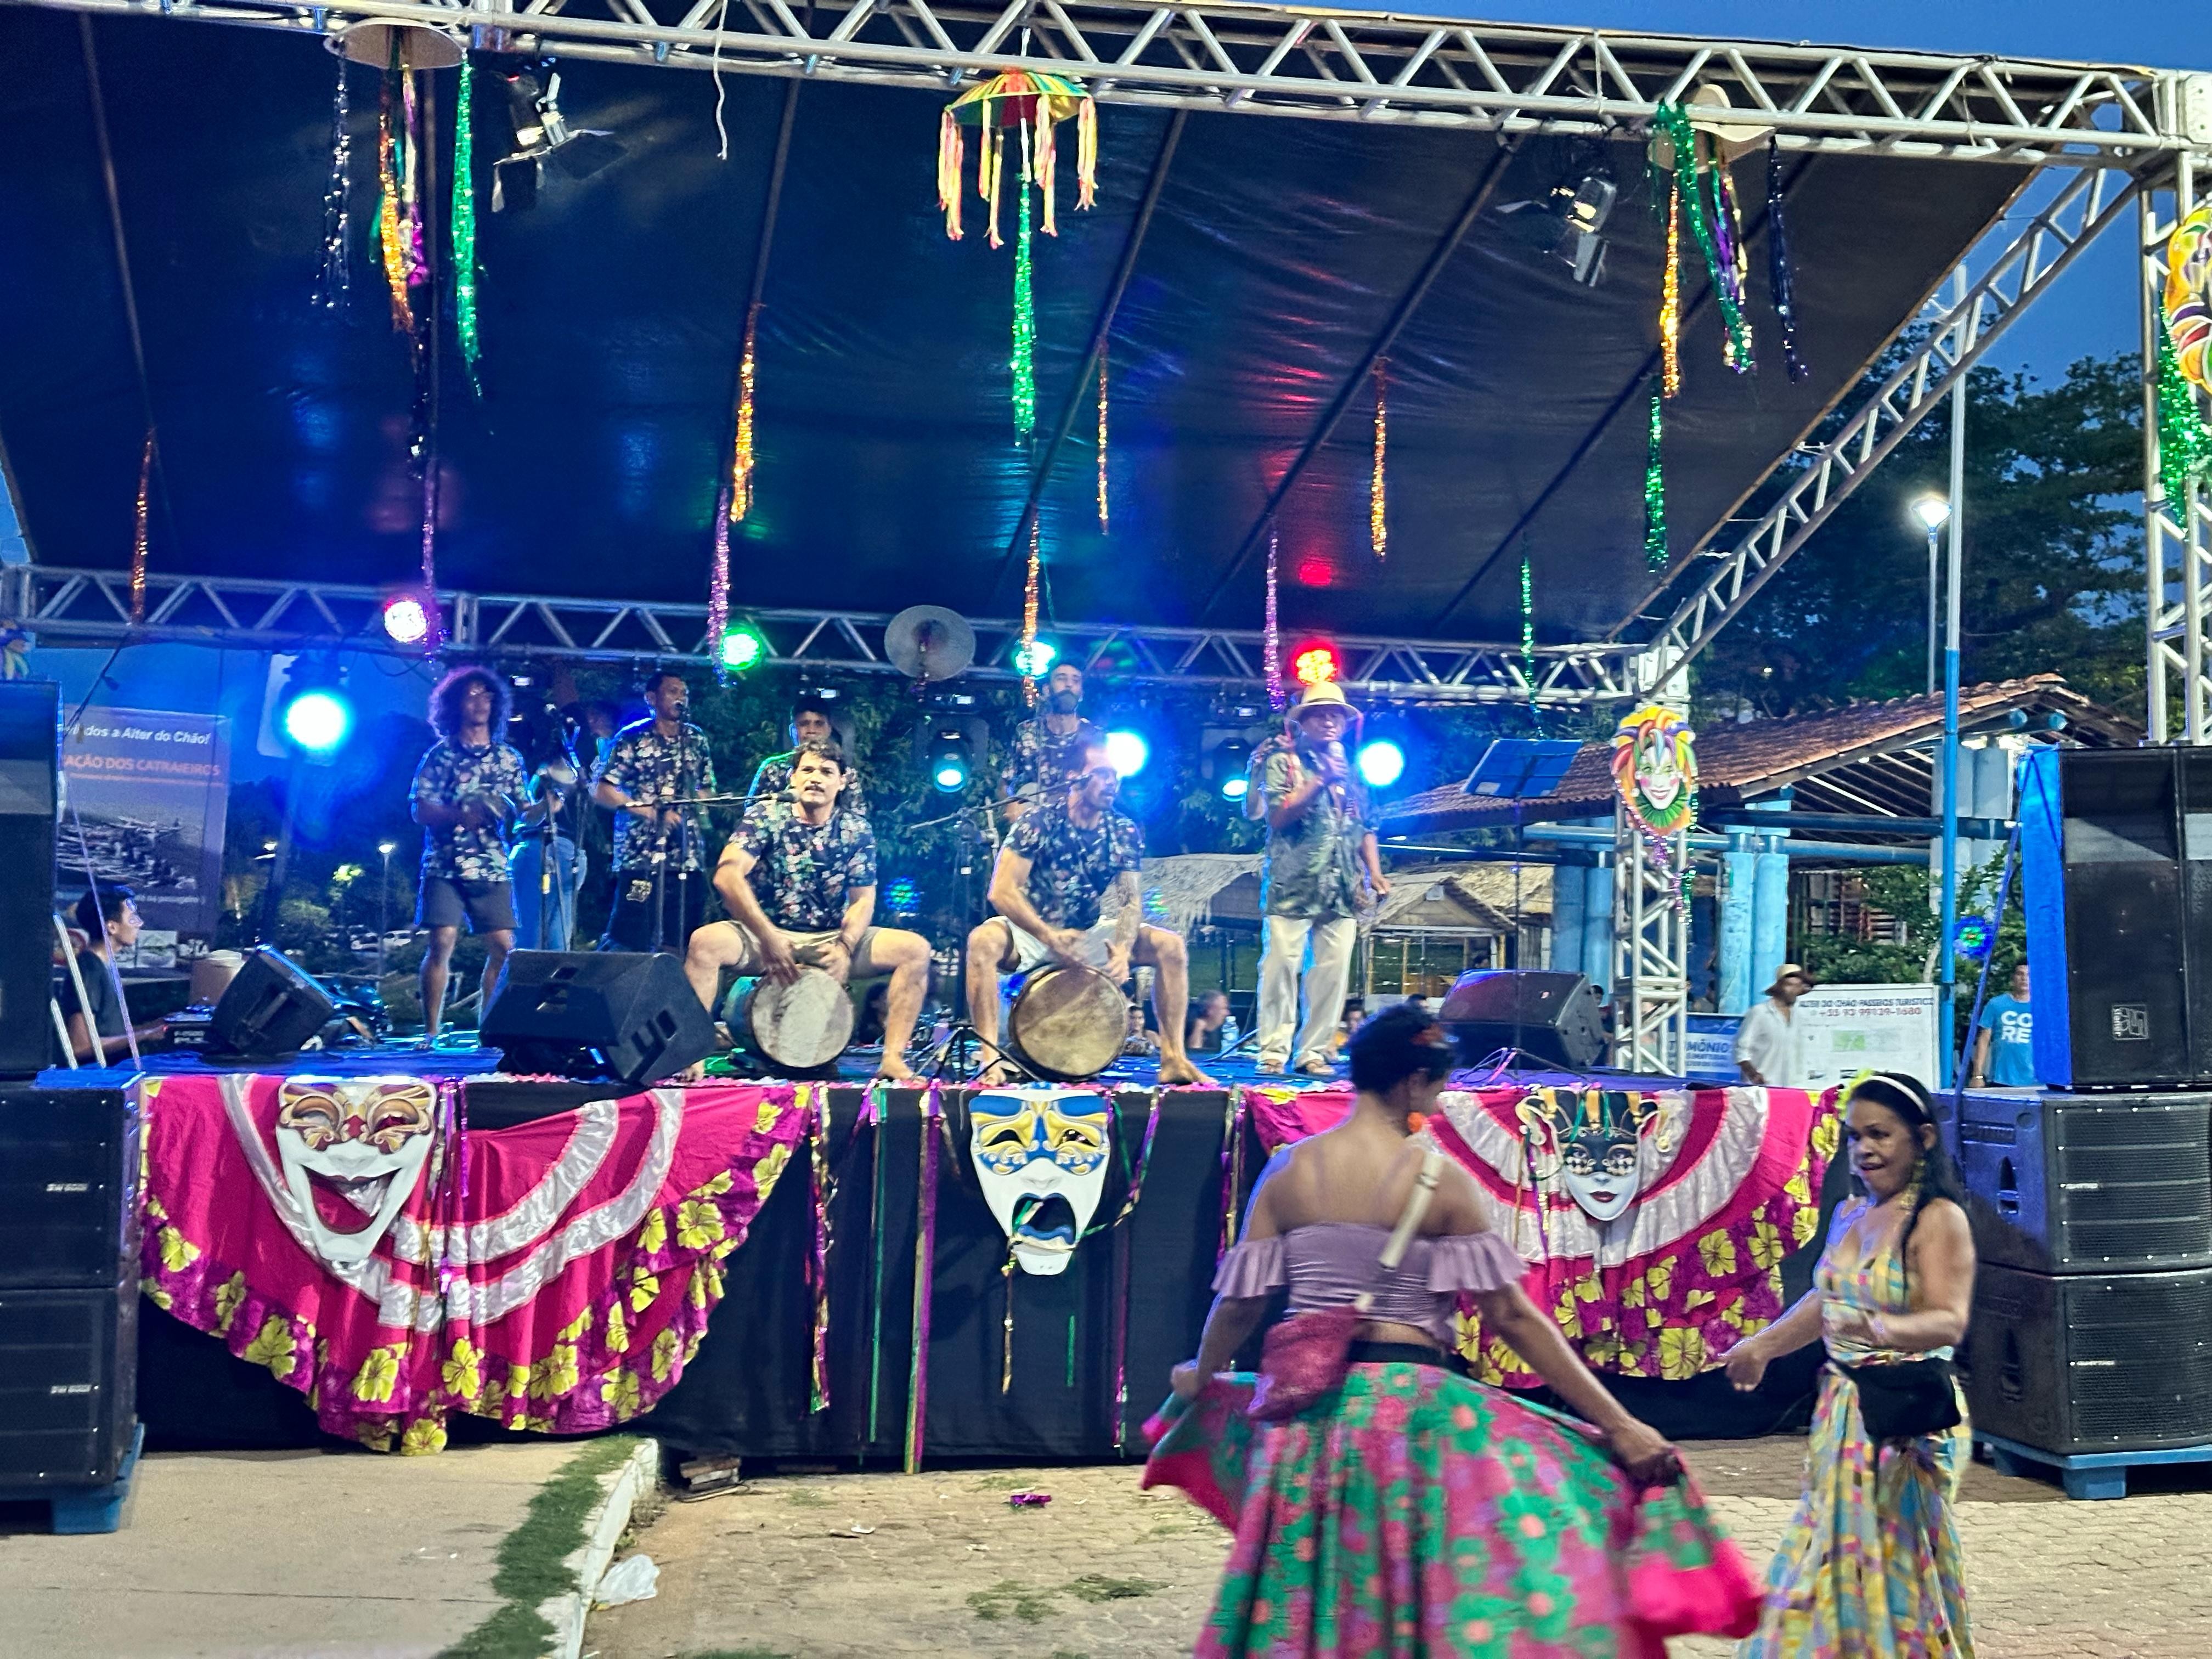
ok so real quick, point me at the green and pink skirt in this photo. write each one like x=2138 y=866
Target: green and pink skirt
x=1417 y=1512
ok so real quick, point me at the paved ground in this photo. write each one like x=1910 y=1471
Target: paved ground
x=842 y=1567
x=255 y=1555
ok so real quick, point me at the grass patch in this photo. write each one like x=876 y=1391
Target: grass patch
x=1097 y=1587
x=1009 y=1598
x=806 y=1498
x=531 y=1558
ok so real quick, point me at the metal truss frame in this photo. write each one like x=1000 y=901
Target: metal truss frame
x=1324 y=63
x=2177 y=533
x=61 y=605
x=1650 y=951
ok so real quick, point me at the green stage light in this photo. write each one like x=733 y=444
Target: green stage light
x=743 y=647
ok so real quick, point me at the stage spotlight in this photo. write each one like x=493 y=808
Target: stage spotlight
x=406 y=619
x=743 y=647
x=1034 y=660
x=948 y=765
x=1313 y=663
x=1566 y=220
x=1231 y=761
x=543 y=135
x=318 y=720
x=1129 y=751
x=1381 y=763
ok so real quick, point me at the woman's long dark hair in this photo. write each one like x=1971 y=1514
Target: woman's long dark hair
x=446 y=700
x=1937 y=1175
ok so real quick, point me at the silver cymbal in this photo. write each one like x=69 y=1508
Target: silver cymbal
x=928 y=643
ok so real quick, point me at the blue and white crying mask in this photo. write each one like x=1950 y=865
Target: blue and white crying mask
x=1040 y=1157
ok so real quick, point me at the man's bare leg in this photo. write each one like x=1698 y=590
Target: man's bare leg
x=1171 y=1000
x=907 y=955
x=497 y=944
x=437 y=964
x=988 y=947
x=717 y=946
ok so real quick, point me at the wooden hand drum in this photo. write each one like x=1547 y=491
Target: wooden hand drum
x=794 y=1028
x=1069 y=1023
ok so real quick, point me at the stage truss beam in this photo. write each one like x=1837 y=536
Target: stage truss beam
x=2176 y=533
x=1650 y=950
x=1325 y=64
x=63 y=606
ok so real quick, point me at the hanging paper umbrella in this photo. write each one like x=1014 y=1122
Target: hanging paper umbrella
x=1030 y=103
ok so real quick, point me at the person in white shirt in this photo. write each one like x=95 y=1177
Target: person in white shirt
x=1767 y=1050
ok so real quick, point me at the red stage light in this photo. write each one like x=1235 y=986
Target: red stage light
x=1315 y=572
x=1312 y=663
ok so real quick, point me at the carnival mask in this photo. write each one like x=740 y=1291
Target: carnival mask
x=1654 y=768
x=1040 y=1157
x=365 y=1141
x=1591 y=1141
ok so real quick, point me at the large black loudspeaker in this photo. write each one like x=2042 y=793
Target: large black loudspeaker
x=1549 y=1016
x=268 y=1011
x=2094 y=1183
x=30 y=720
x=632 y=1019
x=68 y=1286
x=2116 y=849
x=2091 y=1361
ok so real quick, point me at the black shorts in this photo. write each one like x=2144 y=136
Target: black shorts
x=487 y=906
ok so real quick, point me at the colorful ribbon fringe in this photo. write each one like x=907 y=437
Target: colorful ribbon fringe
x=1655 y=490
x=1673 y=123
x=465 y=230
x=1034 y=102
x=389 y=236
x=1378 y=524
x=139 y=532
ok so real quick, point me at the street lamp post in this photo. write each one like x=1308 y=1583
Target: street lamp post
x=384 y=908
x=1933 y=512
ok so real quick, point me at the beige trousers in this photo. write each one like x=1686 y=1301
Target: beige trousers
x=1280 y=957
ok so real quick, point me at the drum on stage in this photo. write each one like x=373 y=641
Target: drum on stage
x=793 y=1029
x=1068 y=1022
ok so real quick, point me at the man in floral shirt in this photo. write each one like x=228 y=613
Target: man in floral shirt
x=1046 y=752
x=810 y=722
x=660 y=887
x=1065 y=862
x=468 y=787
x=799 y=878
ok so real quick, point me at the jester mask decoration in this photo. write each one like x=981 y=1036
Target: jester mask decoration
x=1654 y=768
x=365 y=1141
x=1591 y=1142
x=1040 y=1157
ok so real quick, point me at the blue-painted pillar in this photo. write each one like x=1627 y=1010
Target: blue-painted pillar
x=1597 y=921
x=1770 y=901
x=1570 y=890
x=1739 y=867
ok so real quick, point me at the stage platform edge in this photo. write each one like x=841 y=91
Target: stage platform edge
x=2090 y=1477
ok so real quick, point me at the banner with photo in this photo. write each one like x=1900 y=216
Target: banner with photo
x=144 y=797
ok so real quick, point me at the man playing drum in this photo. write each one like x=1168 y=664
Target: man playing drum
x=799 y=877
x=1058 y=864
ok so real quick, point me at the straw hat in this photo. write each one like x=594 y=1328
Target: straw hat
x=1790 y=970
x=1324 y=693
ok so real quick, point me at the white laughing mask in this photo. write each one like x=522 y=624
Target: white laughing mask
x=1040 y=1157
x=369 y=1140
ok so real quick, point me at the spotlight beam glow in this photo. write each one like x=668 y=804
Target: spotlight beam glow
x=1381 y=763
x=1129 y=751
x=319 y=722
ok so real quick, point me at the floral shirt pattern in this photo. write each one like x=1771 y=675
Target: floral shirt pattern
x=450 y=776
x=1035 y=755
x=1071 y=867
x=805 y=874
x=773 y=777
x=1312 y=867
x=648 y=767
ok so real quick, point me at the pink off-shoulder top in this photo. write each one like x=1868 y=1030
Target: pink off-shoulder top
x=1329 y=1263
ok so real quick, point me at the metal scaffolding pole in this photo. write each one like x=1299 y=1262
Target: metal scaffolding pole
x=1651 y=950
x=2177 y=531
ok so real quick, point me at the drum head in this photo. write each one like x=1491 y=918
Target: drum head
x=801 y=1026
x=1070 y=1022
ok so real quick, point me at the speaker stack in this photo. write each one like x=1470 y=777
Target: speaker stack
x=623 y=1015
x=30 y=722
x=69 y=1288
x=1547 y=1014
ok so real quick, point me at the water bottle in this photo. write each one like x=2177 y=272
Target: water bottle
x=1228 y=1032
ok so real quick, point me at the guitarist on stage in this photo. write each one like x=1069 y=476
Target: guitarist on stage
x=467 y=788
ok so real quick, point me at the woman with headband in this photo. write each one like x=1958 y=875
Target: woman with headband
x=1870 y=1562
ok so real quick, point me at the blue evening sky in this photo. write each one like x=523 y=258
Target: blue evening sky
x=2093 y=307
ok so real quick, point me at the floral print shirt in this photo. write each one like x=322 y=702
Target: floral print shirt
x=451 y=775
x=648 y=767
x=1312 y=866
x=805 y=874
x=1036 y=755
x=773 y=777
x=1071 y=867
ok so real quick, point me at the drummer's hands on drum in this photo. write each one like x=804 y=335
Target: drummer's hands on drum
x=837 y=961
x=1066 y=946
x=1117 y=965
x=777 y=958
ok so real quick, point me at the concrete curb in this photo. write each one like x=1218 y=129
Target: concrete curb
x=603 y=1526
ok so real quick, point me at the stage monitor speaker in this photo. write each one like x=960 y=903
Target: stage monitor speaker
x=30 y=723
x=2116 y=852
x=268 y=1011
x=629 y=1018
x=1548 y=1015
x=2089 y=1183
x=69 y=1165
x=68 y=1380
x=2092 y=1362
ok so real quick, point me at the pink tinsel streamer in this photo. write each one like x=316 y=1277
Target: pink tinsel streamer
x=718 y=585
x=925 y=1256
x=1270 y=644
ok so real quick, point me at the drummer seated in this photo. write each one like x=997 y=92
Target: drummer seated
x=1062 y=866
x=799 y=878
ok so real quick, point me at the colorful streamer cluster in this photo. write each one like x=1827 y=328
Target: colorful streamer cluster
x=1034 y=102
x=1271 y=640
x=2184 y=441
x=391 y=233
x=1379 y=517
x=334 y=283
x=1778 y=273
x=739 y=499
x=1655 y=489
x=139 y=532
x=465 y=230
x=1713 y=224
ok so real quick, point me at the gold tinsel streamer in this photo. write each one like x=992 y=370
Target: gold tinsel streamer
x=1029 y=616
x=138 y=533
x=390 y=236
x=1102 y=440
x=741 y=456
x=1378 y=528
x=1670 y=296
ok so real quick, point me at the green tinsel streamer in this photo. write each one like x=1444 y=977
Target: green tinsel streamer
x=2184 y=442
x=1024 y=325
x=1528 y=633
x=464 y=231
x=1675 y=122
x=1655 y=493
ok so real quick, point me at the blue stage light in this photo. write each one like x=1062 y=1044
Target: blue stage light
x=1129 y=751
x=319 y=721
x=1381 y=763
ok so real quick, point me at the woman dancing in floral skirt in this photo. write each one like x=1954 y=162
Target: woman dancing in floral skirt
x=1409 y=1509
x=1869 y=1568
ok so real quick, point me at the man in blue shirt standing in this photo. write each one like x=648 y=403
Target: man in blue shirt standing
x=2003 y=1053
